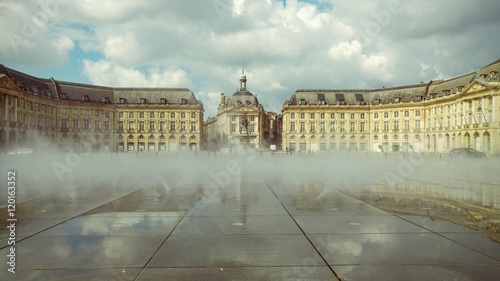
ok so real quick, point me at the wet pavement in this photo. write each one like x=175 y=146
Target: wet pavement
x=223 y=223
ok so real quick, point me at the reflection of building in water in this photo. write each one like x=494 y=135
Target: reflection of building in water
x=433 y=117
x=241 y=120
x=110 y=119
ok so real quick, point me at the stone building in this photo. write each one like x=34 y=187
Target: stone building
x=435 y=117
x=241 y=122
x=34 y=110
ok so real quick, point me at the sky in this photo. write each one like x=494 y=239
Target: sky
x=284 y=45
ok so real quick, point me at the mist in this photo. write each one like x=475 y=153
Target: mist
x=428 y=185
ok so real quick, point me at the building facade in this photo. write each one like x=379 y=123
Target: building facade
x=241 y=122
x=434 y=118
x=36 y=111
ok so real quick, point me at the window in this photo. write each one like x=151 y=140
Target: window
x=97 y=113
x=151 y=115
x=141 y=114
x=97 y=125
x=75 y=124
x=362 y=126
x=233 y=118
x=162 y=114
x=407 y=113
x=292 y=126
x=142 y=101
x=130 y=115
x=120 y=115
x=172 y=126
x=120 y=125
x=353 y=126
x=386 y=114
x=302 y=116
x=417 y=112
x=302 y=126
x=375 y=126
x=183 y=114
x=396 y=114
x=332 y=115
x=302 y=102
x=322 y=126
x=163 y=101
x=162 y=126
x=252 y=119
x=313 y=126
x=193 y=126
x=312 y=115
x=193 y=115
x=252 y=128
x=151 y=125
x=63 y=123
x=375 y=115
x=233 y=128
x=342 y=126
x=332 y=126
x=106 y=114
x=106 y=125
x=417 y=124
x=292 y=115
x=386 y=126
x=342 y=115
x=183 y=126
x=172 y=115
x=362 y=116
x=322 y=116
x=353 y=115
x=141 y=126
x=407 y=124
x=130 y=125
x=490 y=116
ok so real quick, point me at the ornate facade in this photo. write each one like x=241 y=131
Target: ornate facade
x=241 y=121
x=435 y=117
x=35 y=111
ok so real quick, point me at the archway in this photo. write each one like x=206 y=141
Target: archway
x=487 y=142
x=477 y=141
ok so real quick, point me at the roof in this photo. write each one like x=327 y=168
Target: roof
x=242 y=97
x=357 y=96
x=94 y=93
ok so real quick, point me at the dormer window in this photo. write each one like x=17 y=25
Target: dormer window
x=34 y=89
x=107 y=100
x=322 y=102
x=302 y=102
x=376 y=101
x=184 y=101
x=418 y=98
x=123 y=100
x=86 y=98
x=64 y=96
x=396 y=100
x=460 y=88
x=163 y=101
x=143 y=101
x=493 y=74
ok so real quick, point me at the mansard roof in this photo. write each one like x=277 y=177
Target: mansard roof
x=243 y=98
x=358 y=96
x=28 y=83
x=154 y=95
x=93 y=93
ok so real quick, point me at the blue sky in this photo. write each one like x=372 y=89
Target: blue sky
x=286 y=45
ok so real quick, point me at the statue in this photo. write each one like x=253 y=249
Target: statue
x=244 y=124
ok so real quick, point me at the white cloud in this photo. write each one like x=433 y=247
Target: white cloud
x=345 y=50
x=285 y=47
x=104 y=72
